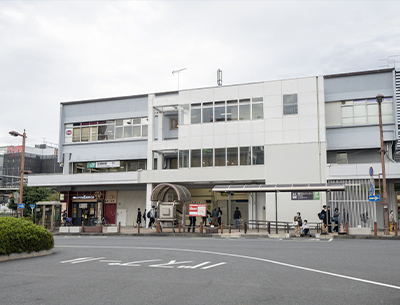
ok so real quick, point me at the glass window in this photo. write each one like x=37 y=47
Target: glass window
x=208 y=112
x=183 y=158
x=128 y=132
x=244 y=109
x=289 y=104
x=245 y=155
x=184 y=115
x=257 y=111
x=145 y=131
x=219 y=110
x=136 y=131
x=85 y=134
x=207 y=157
x=220 y=159
x=258 y=155
x=76 y=134
x=173 y=123
x=232 y=112
x=232 y=156
x=119 y=132
x=196 y=114
x=102 y=133
x=119 y=122
x=341 y=158
x=195 y=158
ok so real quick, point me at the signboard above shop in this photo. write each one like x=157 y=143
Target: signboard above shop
x=305 y=195
x=108 y=164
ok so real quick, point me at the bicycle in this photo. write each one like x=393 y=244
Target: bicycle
x=68 y=222
x=95 y=221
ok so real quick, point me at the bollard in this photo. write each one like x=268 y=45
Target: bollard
x=347 y=227
x=245 y=228
x=395 y=229
x=82 y=226
x=375 y=229
x=323 y=229
x=179 y=227
x=222 y=227
x=201 y=227
x=230 y=229
x=119 y=227
x=158 y=227
x=138 y=228
x=269 y=228
x=101 y=227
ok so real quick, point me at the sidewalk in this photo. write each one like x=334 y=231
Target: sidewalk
x=235 y=233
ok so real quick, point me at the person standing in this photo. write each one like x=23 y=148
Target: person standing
x=144 y=218
x=192 y=224
x=322 y=216
x=219 y=216
x=139 y=217
x=151 y=215
x=336 y=220
x=391 y=220
x=328 y=219
x=237 y=215
x=297 y=224
x=214 y=217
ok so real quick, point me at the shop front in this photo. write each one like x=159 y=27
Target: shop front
x=84 y=212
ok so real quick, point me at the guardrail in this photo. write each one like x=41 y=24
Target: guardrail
x=278 y=225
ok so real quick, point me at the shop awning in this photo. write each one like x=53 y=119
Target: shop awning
x=160 y=190
x=271 y=188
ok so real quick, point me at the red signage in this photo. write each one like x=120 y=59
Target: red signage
x=69 y=132
x=198 y=210
x=14 y=149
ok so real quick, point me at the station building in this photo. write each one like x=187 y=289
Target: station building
x=309 y=130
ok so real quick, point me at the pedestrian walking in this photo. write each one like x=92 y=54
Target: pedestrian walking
x=219 y=216
x=336 y=220
x=139 y=217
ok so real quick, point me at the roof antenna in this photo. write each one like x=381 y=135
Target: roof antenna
x=177 y=71
x=219 y=77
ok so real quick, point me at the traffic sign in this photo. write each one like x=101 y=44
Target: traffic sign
x=371 y=171
x=21 y=205
x=375 y=198
x=32 y=206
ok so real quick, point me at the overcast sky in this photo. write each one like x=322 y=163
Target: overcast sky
x=58 y=51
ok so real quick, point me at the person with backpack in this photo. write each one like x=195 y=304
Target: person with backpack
x=237 y=215
x=151 y=215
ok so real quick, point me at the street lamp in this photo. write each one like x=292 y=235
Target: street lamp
x=21 y=183
x=379 y=99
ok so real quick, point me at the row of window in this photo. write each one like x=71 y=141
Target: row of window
x=231 y=156
x=232 y=110
x=365 y=111
x=106 y=130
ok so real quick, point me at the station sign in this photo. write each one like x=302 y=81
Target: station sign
x=198 y=210
x=305 y=196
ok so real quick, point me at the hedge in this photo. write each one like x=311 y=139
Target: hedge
x=18 y=235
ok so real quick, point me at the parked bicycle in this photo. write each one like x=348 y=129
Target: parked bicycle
x=95 y=221
x=68 y=222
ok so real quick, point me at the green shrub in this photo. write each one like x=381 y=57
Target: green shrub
x=20 y=235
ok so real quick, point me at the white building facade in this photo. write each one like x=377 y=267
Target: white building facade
x=114 y=151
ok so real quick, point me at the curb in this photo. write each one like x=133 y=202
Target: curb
x=14 y=256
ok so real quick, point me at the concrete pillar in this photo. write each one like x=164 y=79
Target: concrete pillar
x=52 y=218
x=149 y=189
x=43 y=215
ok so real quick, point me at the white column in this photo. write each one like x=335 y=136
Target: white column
x=149 y=189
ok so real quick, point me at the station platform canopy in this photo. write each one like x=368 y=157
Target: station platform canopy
x=272 y=188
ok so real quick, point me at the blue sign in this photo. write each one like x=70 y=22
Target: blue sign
x=375 y=198
x=32 y=206
x=21 y=205
x=371 y=171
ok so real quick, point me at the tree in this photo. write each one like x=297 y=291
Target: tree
x=32 y=195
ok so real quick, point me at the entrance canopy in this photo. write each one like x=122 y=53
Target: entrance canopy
x=160 y=190
x=272 y=188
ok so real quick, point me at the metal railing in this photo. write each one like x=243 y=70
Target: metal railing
x=279 y=226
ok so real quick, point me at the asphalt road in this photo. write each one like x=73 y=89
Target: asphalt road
x=174 y=270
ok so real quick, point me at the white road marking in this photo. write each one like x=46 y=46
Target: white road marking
x=75 y=259
x=134 y=264
x=109 y=261
x=212 y=266
x=87 y=260
x=170 y=264
x=244 y=257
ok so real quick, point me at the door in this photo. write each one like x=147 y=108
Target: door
x=121 y=217
x=110 y=210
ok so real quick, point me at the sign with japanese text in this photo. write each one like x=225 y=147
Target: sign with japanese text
x=198 y=210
